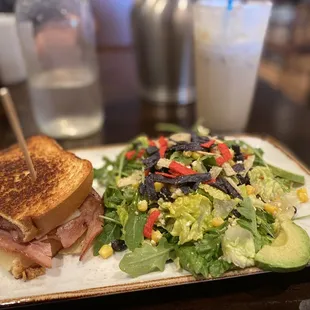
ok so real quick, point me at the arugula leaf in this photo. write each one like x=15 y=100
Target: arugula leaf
x=133 y=229
x=191 y=261
x=288 y=175
x=146 y=259
x=122 y=214
x=113 y=197
x=167 y=127
x=209 y=161
x=197 y=264
x=247 y=210
x=210 y=245
x=179 y=157
x=111 y=232
x=265 y=222
x=219 y=267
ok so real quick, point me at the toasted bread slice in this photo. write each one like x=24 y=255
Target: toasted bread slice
x=63 y=182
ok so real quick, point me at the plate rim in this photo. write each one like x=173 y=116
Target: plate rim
x=149 y=284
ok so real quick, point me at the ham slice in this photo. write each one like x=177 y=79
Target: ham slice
x=38 y=251
x=94 y=223
x=88 y=221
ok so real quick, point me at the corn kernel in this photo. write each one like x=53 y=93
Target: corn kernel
x=158 y=186
x=196 y=155
x=136 y=185
x=217 y=221
x=106 y=251
x=142 y=205
x=156 y=235
x=270 y=208
x=152 y=210
x=187 y=153
x=172 y=189
x=250 y=189
x=303 y=195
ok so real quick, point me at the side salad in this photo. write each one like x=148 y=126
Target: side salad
x=208 y=204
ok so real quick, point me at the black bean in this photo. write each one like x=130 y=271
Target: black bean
x=239 y=157
x=238 y=167
x=165 y=194
x=236 y=149
x=235 y=213
x=243 y=180
x=118 y=245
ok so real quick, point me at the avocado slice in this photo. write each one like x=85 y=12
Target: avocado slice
x=297 y=178
x=290 y=251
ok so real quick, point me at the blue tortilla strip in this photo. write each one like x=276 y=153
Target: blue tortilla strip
x=142 y=189
x=219 y=184
x=151 y=161
x=192 y=146
x=150 y=187
x=162 y=179
x=238 y=167
x=185 y=189
x=199 y=139
x=193 y=178
x=231 y=190
x=152 y=149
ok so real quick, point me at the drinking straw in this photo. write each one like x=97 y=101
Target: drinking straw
x=230 y=5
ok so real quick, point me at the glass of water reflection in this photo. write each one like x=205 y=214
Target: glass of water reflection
x=58 y=43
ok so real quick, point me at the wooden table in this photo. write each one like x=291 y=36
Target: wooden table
x=126 y=116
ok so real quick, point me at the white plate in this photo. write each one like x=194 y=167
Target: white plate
x=70 y=278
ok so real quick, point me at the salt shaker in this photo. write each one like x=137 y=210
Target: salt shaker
x=163 y=37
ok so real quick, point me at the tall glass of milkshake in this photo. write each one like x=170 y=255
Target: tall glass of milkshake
x=228 y=48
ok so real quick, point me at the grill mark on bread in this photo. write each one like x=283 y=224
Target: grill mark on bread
x=23 y=192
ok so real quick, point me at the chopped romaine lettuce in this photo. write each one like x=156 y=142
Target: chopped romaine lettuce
x=192 y=214
x=238 y=247
x=214 y=192
x=265 y=184
x=222 y=208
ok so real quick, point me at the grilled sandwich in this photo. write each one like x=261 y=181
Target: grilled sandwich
x=38 y=219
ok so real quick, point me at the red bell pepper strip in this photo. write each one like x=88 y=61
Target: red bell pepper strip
x=167 y=175
x=163 y=146
x=210 y=181
x=148 y=227
x=208 y=144
x=151 y=143
x=140 y=153
x=220 y=161
x=179 y=169
x=130 y=154
x=224 y=149
x=146 y=172
x=226 y=154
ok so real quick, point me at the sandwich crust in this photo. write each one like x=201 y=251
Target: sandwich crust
x=63 y=182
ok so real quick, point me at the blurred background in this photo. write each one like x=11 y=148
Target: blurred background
x=285 y=68
x=287 y=49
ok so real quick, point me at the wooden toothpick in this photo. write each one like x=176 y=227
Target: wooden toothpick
x=15 y=124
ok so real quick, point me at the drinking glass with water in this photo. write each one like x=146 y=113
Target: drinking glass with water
x=58 y=42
